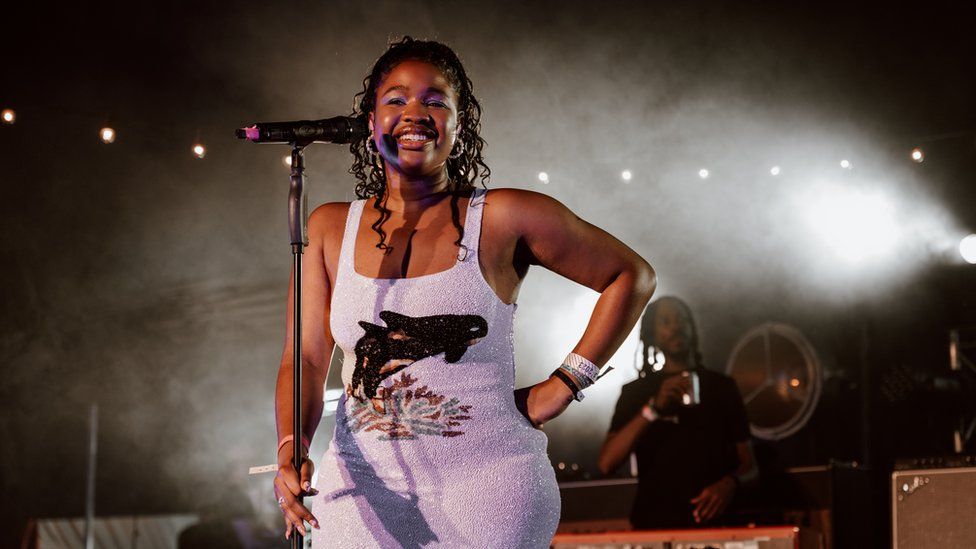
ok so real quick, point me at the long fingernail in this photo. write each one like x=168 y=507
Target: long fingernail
x=302 y=530
x=307 y=485
x=315 y=523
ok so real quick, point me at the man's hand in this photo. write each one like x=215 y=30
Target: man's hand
x=713 y=500
x=668 y=397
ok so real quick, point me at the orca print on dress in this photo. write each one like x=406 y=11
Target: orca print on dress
x=384 y=351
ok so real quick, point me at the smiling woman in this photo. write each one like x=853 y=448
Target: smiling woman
x=433 y=446
x=451 y=100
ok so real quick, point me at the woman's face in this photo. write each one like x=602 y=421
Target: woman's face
x=415 y=119
x=672 y=329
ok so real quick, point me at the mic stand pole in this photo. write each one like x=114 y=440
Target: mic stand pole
x=298 y=231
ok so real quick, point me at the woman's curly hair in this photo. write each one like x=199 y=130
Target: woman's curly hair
x=462 y=171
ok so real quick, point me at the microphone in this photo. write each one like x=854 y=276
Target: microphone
x=339 y=129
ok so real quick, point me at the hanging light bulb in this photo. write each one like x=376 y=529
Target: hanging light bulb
x=108 y=135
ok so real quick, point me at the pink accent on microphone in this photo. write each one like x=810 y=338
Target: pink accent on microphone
x=252 y=133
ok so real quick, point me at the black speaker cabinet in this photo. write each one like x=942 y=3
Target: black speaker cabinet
x=933 y=508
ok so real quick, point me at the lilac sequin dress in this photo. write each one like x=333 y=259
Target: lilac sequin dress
x=429 y=449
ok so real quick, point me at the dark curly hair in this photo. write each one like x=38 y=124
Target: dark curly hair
x=649 y=349
x=463 y=171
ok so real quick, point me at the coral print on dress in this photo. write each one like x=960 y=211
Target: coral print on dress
x=408 y=411
x=401 y=410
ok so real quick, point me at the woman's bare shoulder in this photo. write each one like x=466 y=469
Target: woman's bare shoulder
x=516 y=205
x=328 y=220
x=330 y=209
x=512 y=200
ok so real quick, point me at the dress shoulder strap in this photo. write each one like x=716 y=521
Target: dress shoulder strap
x=348 y=246
x=472 y=225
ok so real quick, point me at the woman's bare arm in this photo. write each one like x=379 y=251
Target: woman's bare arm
x=565 y=244
x=317 y=347
x=317 y=342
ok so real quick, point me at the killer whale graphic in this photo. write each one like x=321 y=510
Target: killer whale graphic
x=384 y=351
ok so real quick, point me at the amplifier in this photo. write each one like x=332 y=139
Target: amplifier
x=933 y=508
x=762 y=537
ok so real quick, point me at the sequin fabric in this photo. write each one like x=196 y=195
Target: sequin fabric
x=429 y=449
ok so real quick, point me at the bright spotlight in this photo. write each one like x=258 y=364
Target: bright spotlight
x=774 y=170
x=199 y=150
x=967 y=247
x=846 y=164
x=626 y=175
x=9 y=116
x=544 y=177
x=857 y=224
x=286 y=160
x=703 y=173
x=917 y=155
x=108 y=135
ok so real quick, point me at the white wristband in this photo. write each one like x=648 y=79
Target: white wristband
x=581 y=368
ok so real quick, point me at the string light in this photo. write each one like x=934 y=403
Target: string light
x=9 y=116
x=286 y=160
x=917 y=155
x=846 y=164
x=199 y=150
x=703 y=173
x=626 y=175
x=108 y=135
x=774 y=170
x=544 y=177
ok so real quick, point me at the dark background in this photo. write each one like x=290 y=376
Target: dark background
x=153 y=283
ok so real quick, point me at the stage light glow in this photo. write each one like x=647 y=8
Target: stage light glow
x=967 y=248
x=331 y=400
x=544 y=177
x=795 y=382
x=9 y=116
x=917 y=155
x=846 y=164
x=108 y=135
x=774 y=170
x=857 y=224
x=199 y=150
x=286 y=160
x=626 y=175
x=703 y=173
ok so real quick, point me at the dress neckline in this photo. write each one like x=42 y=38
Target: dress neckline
x=457 y=260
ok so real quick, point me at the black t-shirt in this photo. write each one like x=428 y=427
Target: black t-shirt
x=675 y=461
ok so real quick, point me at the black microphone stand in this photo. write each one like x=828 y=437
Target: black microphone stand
x=298 y=231
x=340 y=129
